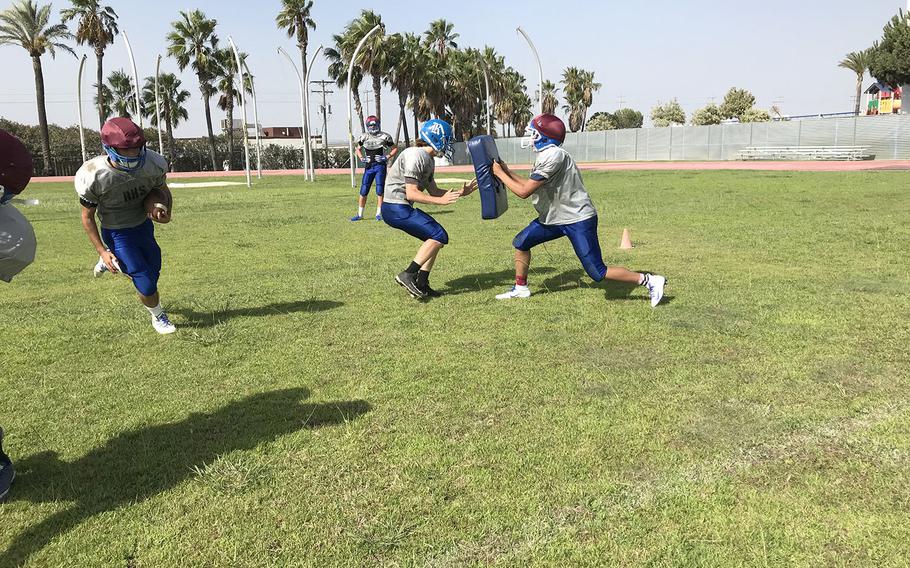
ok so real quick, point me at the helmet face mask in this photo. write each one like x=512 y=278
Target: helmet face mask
x=372 y=125
x=125 y=163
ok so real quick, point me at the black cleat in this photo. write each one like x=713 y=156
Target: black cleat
x=409 y=282
x=7 y=473
x=431 y=293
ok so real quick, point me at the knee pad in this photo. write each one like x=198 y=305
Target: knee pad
x=442 y=236
x=145 y=283
x=594 y=266
x=520 y=242
x=364 y=190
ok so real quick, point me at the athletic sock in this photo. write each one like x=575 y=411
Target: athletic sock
x=413 y=268
x=644 y=279
x=423 y=278
x=521 y=280
x=378 y=210
x=360 y=211
x=156 y=311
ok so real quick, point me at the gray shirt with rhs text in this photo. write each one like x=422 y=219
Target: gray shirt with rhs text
x=117 y=194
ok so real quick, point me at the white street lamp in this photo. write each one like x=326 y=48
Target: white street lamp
x=241 y=90
x=158 y=106
x=306 y=99
x=306 y=162
x=351 y=100
x=129 y=51
x=79 y=102
x=539 y=67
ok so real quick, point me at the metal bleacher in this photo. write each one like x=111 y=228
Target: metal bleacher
x=806 y=153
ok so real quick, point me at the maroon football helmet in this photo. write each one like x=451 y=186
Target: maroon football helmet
x=16 y=166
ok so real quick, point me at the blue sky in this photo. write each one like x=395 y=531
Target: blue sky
x=643 y=52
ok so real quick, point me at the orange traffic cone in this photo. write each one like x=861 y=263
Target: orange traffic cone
x=626 y=242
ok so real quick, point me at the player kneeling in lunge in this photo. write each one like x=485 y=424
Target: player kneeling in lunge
x=409 y=177
x=371 y=151
x=115 y=187
x=565 y=210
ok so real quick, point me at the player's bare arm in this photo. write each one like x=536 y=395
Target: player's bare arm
x=91 y=229
x=523 y=188
x=437 y=196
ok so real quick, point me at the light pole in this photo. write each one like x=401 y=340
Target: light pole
x=255 y=122
x=129 y=51
x=306 y=163
x=158 y=106
x=241 y=90
x=79 y=102
x=351 y=100
x=539 y=67
x=306 y=83
x=486 y=80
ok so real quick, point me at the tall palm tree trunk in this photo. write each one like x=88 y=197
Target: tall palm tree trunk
x=358 y=106
x=377 y=91
x=230 y=132
x=208 y=125
x=42 y=114
x=171 y=144
x=859 y=92
x=99 y=80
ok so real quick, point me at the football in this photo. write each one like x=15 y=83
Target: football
x=158 y=205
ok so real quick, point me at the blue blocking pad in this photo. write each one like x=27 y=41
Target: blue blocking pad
x=493 y=194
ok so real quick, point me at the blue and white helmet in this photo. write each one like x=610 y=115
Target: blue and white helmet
x=439 y=135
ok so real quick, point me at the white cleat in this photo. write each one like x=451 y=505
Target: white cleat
x=100 y=268
x=163 y=325
x=656 y=284
x=515 y=292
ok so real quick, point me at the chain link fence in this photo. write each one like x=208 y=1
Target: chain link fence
x=886 y=136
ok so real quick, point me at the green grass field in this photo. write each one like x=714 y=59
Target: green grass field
x=309 y=413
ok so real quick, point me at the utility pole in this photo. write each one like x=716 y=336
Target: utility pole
x=325 y=109
x=621 y=101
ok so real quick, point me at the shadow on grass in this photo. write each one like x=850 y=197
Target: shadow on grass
x=139 y=464
x=578 y=278
x=488 y=280
x=211 y=318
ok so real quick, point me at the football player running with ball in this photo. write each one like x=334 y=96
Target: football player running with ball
x=371 y=151
x=565 y=210
x=410 y=176
x=114 y=187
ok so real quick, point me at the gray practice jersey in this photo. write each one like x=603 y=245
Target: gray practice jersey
x=117 y=194
x=413 y=165
x=562 y=199
x=374 y=145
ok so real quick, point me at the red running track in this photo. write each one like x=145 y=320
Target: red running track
x=864 y=166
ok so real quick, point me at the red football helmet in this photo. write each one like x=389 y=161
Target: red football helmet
x=123 y=133
x=372 y=124
x=545 y=130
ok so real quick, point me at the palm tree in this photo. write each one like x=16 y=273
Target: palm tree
x=550 y=101
x=339 y=58
x=407 y=53
x=226 y=75
x=588 y=88
x=373 y=57
x=295 y=18
x=96 y=27
x=858 y=62
x=441 y=37
x=26 y=24
x=172 y=99
x=118 y=96
x=193 y=42
x=573 y=87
